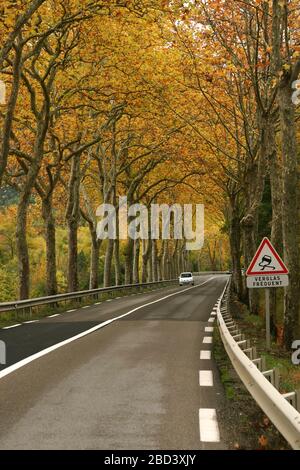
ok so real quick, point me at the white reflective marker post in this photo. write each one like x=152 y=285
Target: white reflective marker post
x=267 y=270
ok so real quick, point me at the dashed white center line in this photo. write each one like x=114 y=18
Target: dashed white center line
x=55 y=315
x=12 y=326
x=208 y=423
x=206 y=378
x=207 y=339
x=205 y=355
x=209 y=329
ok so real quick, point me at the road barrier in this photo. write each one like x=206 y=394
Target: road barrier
x=262 y=384
x=95 y=293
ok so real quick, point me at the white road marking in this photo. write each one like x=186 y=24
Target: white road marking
x=209 y=329
x=207 y=339
x=55 y=315
x=98 y=303
x=118 y=298
x=42 y=353
x=206 y=378
x=86 y=306
x=205 y=355
x=12 y=326
x=208 y=423
x=108 y=300
x=211 y=320
x=30 y=321
x=73 y=310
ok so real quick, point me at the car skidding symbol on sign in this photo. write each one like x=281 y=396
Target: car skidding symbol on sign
x=266 y=263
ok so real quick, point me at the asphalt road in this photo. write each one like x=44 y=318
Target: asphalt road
x=134 y=383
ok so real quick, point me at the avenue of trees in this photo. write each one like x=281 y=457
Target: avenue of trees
x=162 y=101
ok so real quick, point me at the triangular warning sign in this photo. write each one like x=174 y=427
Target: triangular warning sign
x=266 y=261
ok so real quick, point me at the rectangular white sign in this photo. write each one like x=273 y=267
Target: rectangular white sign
x=267 y=281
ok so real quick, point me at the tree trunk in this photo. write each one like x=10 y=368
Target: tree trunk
x=136 y=262
x=154 y=261
x=165 y=263
x=150 y=263
x=108 y=261
x=94 y=266
x=22 y=251
x=50 y=237
x=235 y=247
x=117 y=262
x=290 y=161
x=72 y=256
x=72 y=216
x=250 y=246
x=128 y=253
x=276 y=229
x=145 y=255
x=9 y=115
x=290 y=212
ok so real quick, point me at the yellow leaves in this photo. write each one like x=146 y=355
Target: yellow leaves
x=286 y=67
x=296 y=55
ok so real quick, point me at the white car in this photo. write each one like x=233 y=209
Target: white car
x=186 y=278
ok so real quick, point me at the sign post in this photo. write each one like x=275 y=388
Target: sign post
x=268 y=329
x=267 y=270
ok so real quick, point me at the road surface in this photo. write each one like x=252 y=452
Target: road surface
x=142 y=381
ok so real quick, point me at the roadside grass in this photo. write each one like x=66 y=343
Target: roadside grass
x=39 y=312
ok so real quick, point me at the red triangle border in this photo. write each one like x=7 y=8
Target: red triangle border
x=264 y=242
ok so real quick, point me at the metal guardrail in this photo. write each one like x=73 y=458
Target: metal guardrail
x=262 y=384
x=201 y=273
x=53 y=299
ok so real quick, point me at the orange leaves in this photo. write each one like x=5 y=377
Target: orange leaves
x=263 y=442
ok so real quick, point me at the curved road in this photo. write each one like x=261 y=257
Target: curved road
x=142 y=381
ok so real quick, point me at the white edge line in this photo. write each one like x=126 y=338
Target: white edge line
x=205 y=354
x=208 y=425
x=11 y=326
x=207 y=339
x=209 y=329
x=52 y=316
x=206 y=378
x=42 y=353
